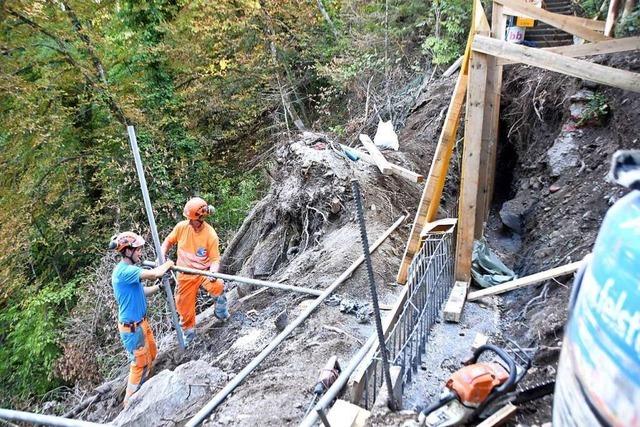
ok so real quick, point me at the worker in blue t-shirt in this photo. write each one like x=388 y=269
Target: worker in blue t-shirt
x=135 y=332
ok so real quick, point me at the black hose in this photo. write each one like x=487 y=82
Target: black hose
x=439 y=403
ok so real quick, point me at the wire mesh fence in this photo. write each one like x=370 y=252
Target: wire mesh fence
x=430 y=280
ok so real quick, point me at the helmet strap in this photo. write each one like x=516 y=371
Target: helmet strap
x=128 y=256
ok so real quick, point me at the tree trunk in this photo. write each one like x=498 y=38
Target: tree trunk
x=612 y=17
x=327 y=18
x=629 y=5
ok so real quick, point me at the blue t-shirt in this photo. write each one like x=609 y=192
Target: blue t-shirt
x=132 y=305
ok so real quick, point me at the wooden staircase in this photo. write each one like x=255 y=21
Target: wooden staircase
x=544 y=35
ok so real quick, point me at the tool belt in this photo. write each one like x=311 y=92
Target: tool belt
x=130 y=326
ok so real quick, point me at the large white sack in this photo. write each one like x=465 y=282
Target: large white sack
x=386 y=136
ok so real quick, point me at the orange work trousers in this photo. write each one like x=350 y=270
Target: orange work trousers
x=187 y=292
x=141 y=348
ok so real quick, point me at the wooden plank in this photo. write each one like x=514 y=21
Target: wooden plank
x=590 y=24
x=471 y=164
x=552 y=61
x=405 y=173
x=590 y=49
x=395 y=169
x=563 y=22
x=377 y=156
x=478 y=341
x=345 y=414
x=442 y=225
x=525 y=281
x=500 y=416
x=453 y=309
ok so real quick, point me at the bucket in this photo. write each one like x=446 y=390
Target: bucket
x=598 y=380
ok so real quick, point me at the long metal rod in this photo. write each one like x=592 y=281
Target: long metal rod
x=222 y=394
x=154 y=231
x=374 y=293
x=240 y=279
x=340 y=382
x=47 y=420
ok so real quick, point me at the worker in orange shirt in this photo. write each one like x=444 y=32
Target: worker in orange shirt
x=197 y=248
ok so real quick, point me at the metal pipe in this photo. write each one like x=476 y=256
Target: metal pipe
x=268 y=284
x=337 y=386
x=154 y=232
x=374 y=293
x=222 y=394
x=39 y=419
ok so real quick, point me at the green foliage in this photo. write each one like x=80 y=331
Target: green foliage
x=590 y=8
x=30 y=340
x=629 y=25
x=596 y=112
x=202 y=83
x=450 y=22
x=233 y=198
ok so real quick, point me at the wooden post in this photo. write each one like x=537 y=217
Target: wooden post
x=490 y=130
x=471 y=165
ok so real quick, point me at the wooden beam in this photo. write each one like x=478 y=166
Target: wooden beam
x=395 y=169
x=453 y=308
x=590 y=49
x=430 y=200
x=377 y=156
x=552 y=61
x=525 y=281
x=500 y=416
x=566 y=23
x=471 y=164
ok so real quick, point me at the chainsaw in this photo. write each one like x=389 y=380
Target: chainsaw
x=475 y=389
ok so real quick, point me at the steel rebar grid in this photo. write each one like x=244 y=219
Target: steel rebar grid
x=154 y=232
x=430 y=277
x=203 y=413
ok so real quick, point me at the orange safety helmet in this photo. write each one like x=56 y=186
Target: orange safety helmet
x=196 y=208
x=124 y=240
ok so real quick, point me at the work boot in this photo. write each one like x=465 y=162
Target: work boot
x=189 y=336
x=221 y=311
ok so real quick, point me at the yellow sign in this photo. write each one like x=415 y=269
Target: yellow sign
x=524 y=21
x=521 y=21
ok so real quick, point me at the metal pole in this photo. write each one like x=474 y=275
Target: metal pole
x=337 y=386
x=47 y=420
x=222 y=394
x=257 y=282
x=374 y=294
x=154 y=231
